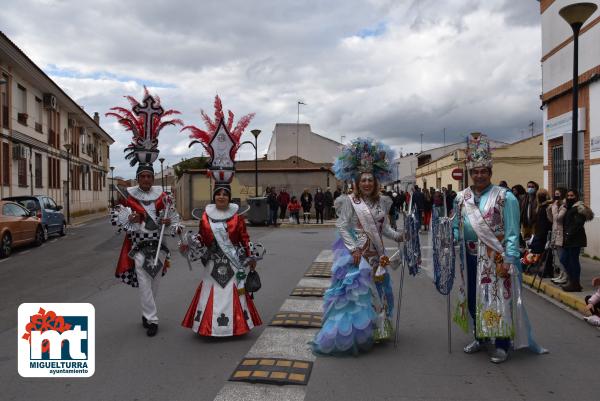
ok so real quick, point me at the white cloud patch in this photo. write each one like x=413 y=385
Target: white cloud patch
x=383 y=68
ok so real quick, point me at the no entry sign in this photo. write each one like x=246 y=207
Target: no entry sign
x=458 y=174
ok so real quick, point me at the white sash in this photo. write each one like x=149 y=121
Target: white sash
x=367 y=220
x=478 y=223
x=219 y=229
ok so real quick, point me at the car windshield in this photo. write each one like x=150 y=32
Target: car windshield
x=27 y=202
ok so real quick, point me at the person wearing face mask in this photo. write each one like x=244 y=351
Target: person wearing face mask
x=574 y=238
x=319 y=204
x=528 y=211
x=359 y=302
x=556 y=214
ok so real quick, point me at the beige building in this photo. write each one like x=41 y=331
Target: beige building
x=290 y=139
x=515 y=163
x=557 y=106
x=49 y=144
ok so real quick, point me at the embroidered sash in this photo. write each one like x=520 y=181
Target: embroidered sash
x=478 y=223
x=367 y=220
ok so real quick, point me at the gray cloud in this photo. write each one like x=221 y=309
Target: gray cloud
x=381 y=67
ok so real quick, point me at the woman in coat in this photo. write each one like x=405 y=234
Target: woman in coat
x=556 y=214
x=306 y=202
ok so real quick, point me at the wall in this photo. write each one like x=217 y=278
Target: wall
x=312 y=147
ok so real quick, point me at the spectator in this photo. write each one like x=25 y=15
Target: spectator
x=438 y=204
x=450 y=196
x=393 y=213
x=328 y=204
x=556 y=214
x=519 y=192
x=574 y=239
x=427 y=209
x=503 y=184
x=400 y=200
x=528 y=211
x=283 y=199
x=418 y=204
x=294 y=208
x=593 y=305
x=543 y=227
x=273 y=206
x=306 y=202
x=319 y=204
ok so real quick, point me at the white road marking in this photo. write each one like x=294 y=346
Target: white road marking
x=314 y=282
x=302 y=305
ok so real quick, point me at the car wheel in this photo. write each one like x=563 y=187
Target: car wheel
x=6 y=246
x=45 y=233
x=63 y=229
x=39 y=236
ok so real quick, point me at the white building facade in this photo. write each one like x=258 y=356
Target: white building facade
x=557 y=75
x=48 y=144
x=291 y=139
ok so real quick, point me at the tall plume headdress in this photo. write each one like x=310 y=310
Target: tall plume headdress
x=221 y=141
x=479 y=152
x=364 y=155
x=145 y=120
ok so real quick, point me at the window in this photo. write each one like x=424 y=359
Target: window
x=21 y=105
x=4 y=93
x=22 y=169
x=53 y=172
x=38 y=114
x=14 y=210
x=6 y=210
x=38 y=170
x=49 y=204
x=5 y=164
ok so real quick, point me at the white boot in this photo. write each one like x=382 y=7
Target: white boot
x=561 y=279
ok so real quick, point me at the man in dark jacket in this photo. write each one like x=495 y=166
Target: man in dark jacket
x=319 y=204
x=574 y=239
x=273 y=206
x=306 y=202
x=418 y=203
x=328 y=204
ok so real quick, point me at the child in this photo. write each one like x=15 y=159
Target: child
x=593 y=305
x=294 y=208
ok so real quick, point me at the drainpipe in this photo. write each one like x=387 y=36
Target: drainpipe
x=191 y=196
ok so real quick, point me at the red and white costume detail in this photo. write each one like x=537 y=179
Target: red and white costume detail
x=221 y=307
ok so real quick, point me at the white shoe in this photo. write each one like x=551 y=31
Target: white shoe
x=561 y=279
x=593 y=320
x=473 y=347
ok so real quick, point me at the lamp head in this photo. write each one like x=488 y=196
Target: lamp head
x=161 y=160
x=578 y=13
x=255 y=132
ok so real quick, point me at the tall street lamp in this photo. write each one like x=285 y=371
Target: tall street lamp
x=256 y=133
x=112 y=187
x=162 y=177
x=68 y=146
x=576 y=15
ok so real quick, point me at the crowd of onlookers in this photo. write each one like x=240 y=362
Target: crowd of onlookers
x=282 y=205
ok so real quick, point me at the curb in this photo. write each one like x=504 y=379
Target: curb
x=550 y=290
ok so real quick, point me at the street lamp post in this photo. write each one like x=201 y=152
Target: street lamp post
x=162 y=177
x=255 y=132
x=576 y=15
x=112 y=187
x=68 y=147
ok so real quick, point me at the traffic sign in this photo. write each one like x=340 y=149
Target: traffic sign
x=458 y=174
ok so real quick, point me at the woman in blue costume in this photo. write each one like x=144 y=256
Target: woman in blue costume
x=359 y=302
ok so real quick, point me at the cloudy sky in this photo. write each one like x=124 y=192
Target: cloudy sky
x=390 y=69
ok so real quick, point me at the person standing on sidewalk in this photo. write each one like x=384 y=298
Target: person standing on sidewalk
x=273 y=206
x=418 y=204
x=306 y=202
x=543 y=226
x=556 y=214
x=574 y=238
x=528 y=210
x=294 y=208
x=319 y=204
x=487 y=227
x=328 y=204
x=283 y=199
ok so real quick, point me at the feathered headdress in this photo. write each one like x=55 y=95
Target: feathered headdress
x=220 y=140
x=364 y=156
x=144 y=120
x=479 y=153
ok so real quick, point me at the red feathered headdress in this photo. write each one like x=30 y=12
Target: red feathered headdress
x=221 y=140
x=144 y=120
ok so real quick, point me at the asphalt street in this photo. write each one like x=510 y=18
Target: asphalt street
x=179 y=365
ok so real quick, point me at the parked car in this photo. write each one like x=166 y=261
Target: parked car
x=18 y=226
x=53 y=220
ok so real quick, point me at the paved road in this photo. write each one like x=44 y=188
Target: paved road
x=177 y=365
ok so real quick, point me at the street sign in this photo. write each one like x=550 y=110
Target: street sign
x=458 y=174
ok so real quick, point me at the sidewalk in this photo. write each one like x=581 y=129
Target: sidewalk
x=589 y=269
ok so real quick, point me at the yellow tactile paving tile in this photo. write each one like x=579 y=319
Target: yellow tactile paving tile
x=273 y=371
x=319 y=269
x=308 y=292
x=295 y=319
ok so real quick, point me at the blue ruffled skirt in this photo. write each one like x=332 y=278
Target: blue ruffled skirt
x=349 y=317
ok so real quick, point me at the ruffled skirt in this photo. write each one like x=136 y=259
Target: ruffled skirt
x=349 y=316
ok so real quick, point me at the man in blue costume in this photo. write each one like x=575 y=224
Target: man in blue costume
x=487 y=226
